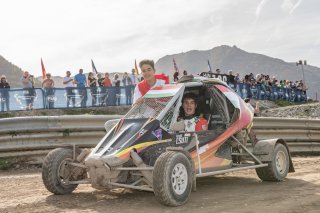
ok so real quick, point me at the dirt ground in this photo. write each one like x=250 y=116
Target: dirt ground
x=23 y=191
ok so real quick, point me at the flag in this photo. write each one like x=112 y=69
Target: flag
x=94 y=70
x=136 y=67
x=162 y=77
x=43 y=71
x=210 y=70
x=175 y=66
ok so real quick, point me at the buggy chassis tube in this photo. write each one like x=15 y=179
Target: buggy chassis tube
x=86 y=181
x=198 y=155
x=260 y=164
x=245 y=148
x=131 y=186
x=139 y=163
x=230 y=170
x=133 y=168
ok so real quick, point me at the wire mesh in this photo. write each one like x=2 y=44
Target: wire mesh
x=148 y=108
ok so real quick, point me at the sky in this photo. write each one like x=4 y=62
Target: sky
x=67 y=34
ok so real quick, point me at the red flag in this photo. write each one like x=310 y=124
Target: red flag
x=136 y=67
x=162 y=77
x=175 y=66
x=43 y=71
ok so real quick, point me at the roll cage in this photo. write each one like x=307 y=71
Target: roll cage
x=212 y=105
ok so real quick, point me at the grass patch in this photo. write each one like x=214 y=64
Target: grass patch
x=84 y=112
x=5 y=164
x=66 y=132
x=13 y=133
x=43 y=113
x=300 y=114
x=282 y=103
x=6 y=115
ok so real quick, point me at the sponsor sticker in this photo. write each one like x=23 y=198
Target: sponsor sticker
x=142 y=131
x=158 y=134
x=204 y=127
x=202 y=149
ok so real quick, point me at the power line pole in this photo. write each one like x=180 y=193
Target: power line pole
x=304 y=88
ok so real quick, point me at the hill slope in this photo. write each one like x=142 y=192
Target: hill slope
x=13 y=73
x=226 y=58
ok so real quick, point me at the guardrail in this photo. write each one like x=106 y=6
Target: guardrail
x=31 y=136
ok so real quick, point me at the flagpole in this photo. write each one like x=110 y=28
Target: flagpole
x=135 y=66
x=210 y=70
x=176 y=69
x=44 y=72
x=94 y=69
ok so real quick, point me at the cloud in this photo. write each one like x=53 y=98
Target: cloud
x=67 y=34
x=260 y=7
x=290 y=6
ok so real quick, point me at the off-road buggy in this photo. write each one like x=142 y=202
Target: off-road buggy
x=144 y=151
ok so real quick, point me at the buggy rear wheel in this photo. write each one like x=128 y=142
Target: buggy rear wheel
x=55 y=171
x=278 y=168
x=172 y=178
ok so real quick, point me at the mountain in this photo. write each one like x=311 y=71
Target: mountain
x=13 y=73
x=233 y=58
x=196 y=61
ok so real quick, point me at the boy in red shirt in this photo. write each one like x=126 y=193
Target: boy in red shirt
x=150 y=79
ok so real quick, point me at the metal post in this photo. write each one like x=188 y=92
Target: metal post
x=300 y=62
x=198 y=155
x=304 y=81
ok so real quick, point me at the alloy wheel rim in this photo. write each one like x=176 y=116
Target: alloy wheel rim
x=281 y=162
x=179 y=178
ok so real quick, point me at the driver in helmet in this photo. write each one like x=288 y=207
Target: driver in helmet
x=188 y=120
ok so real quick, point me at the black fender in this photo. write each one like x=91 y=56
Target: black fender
x=264 y=150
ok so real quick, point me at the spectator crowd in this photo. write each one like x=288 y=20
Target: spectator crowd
x=265 y=80
x=104 y=89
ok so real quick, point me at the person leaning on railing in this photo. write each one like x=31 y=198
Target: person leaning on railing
x=105 y=91
x=116 y=94
x=68 y=82
x=4 y=91
x=127 y=83
x=48 y=86
x=92 y=83
x=81 y=82
x=27 y=82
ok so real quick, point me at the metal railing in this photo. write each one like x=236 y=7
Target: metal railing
x=30 y=136
x=58 y=98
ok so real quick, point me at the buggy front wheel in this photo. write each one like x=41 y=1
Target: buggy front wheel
x=56 y=172
x=172 y=178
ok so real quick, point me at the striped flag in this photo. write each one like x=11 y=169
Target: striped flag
x=43 y=71
x=175 y=66
x=94 y=70
x=166 y=90
x=136 y=67
x=210 y=70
